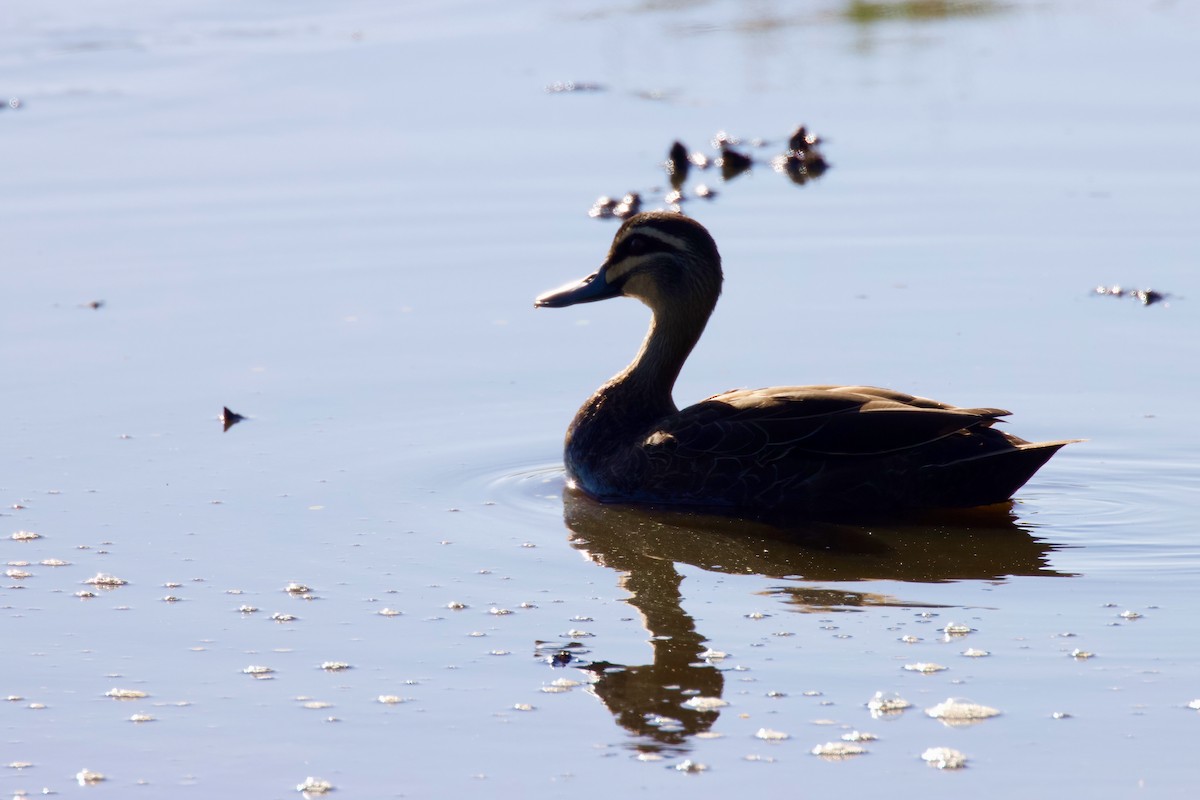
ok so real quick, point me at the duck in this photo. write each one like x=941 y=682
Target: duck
x=820 y=452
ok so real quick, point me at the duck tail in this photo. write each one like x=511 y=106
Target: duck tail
x=986 y=478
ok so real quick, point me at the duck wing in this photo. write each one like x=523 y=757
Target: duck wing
x=817 y=420
x=817 y=448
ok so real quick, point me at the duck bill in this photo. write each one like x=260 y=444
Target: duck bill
x=592 y=288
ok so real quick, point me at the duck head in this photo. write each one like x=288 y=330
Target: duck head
x=662 y=258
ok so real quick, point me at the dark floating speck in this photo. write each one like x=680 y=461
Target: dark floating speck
x=230 y=418
x=733 y=163
x=678 y=165
x=803 y=160
x=561 y=659
x=94 y=304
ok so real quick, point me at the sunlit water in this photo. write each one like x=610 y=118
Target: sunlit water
x=335 y=222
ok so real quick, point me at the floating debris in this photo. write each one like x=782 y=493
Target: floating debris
x=723 y=139
x=84 y=594
x=170 y=598
x=713 y=655
x=454 y=605
x=1081 y=655
x=297 y=589
x=562 y=87
x=139 y=718
x=1130 y=615
x=705 y=703
x=335 y=666
x=88 y=778
x=391 y=699
x=959 y=712
x=25 y=536
x=20 y=764
x=1146 y=297
x=944 y=758
x=836 y=751
x=925 y=667
x=313 y=785
x=18 y=574
x=909 y=639
x=1195 y=704
x=732 y=163
x=389 y=612
x=245 y=609
x=678 y=164
x=281 y=617
x=769 y=735
x=126 y=694
x=859 y=736
x=954 y=629
x=499 y=612
x=561 y=659
x=229 y=418
x=105 y=581
x=972 y=652
x=316 y=705
x=802 y=161
x=523 y=707
x=1060 y=715
x=630 y=204
x=691 y=767
x=602 y=208
x=258 y=671
x=882 y=705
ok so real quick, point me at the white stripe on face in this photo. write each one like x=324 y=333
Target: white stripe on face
x=626 y=265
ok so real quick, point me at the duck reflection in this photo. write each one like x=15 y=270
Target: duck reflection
x=651 y=701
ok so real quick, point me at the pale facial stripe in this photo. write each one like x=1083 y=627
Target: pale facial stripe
x=623 y=267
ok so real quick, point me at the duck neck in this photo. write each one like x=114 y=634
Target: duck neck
x=652 y=374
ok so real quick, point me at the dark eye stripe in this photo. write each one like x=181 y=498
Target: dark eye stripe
x=639 y=245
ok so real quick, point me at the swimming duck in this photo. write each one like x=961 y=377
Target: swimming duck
x=808 y=451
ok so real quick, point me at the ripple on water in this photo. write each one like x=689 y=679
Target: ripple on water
x=1129 y=514
x=524 y=490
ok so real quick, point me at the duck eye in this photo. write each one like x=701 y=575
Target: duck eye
x=637 y=245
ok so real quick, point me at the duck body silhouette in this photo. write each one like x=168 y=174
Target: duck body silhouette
x=802 y=451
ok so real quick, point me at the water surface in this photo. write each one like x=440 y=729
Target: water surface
x=334 y=221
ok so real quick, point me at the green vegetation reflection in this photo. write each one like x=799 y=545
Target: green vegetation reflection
x=869 y=11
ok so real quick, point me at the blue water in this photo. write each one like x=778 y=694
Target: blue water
x=334 y=221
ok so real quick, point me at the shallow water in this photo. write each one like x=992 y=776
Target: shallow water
x=335 y=221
